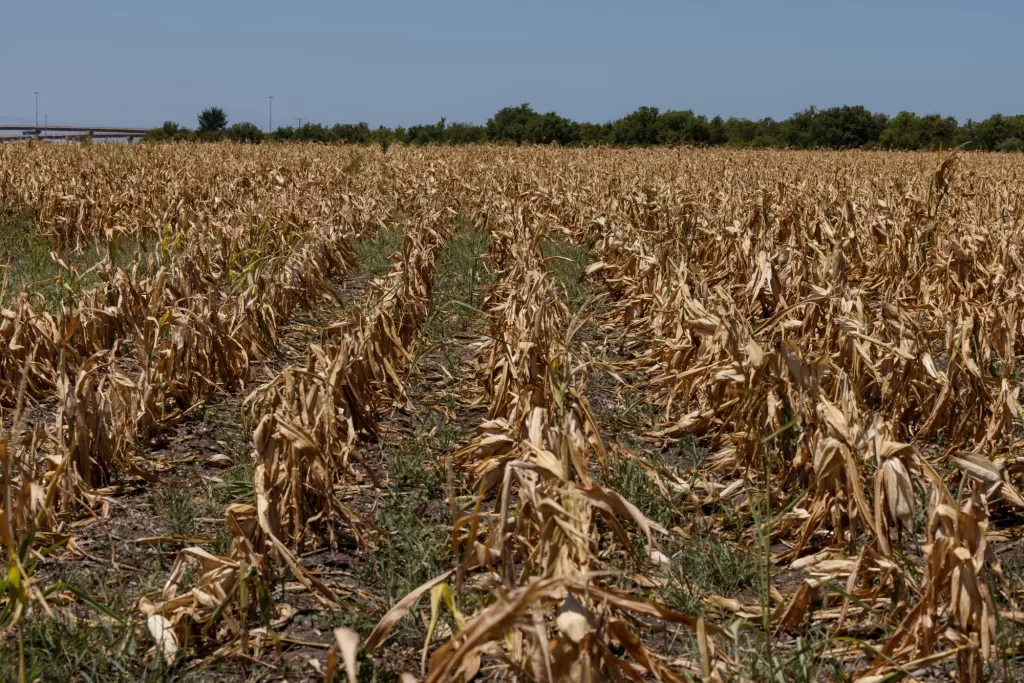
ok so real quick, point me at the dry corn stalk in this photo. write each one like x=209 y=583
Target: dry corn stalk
x=855 y=315
x=538 y=446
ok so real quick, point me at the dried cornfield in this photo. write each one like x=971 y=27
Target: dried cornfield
x=644 y=415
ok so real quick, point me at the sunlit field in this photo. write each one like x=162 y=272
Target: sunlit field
x=510 y=413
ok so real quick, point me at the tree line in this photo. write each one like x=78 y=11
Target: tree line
x=844 y=127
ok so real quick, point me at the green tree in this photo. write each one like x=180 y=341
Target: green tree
x=543 y=129
x=357 y=134
x=740 y=132
x=846 y=126
x=836 y=127
x=212 y=119
x=312 y=132
x=770 y=133
x=245 y=132
x=510 y=124
x=427 y=134
x=167 y=132
x=799 y=129
x=465 y=134
x=990 y=132
x=683 y=128
x=993 y=131
x=1010 y=145
x=904 y=131
x=383 y=136
x=591 y=133
x=637 y=129
x=283 y=134
x=716 y=131
x=170 y=129
x=907 y=130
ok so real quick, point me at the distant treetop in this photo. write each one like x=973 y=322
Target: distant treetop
x=212 y=119
x=844 y=127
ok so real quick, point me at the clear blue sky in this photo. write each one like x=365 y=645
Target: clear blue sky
x=405 y=62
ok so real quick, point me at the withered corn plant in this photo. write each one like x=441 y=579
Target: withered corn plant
x=553 y=616
x=306 y=449
x=841 y=333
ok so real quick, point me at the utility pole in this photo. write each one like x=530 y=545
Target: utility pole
x=299 y=119
x=37 y=109
x=270 y=126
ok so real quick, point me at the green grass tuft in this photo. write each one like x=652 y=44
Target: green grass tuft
x=459 y=282
x=567 y=263
x=375 y=254
x=26 y=263
x=701 y=566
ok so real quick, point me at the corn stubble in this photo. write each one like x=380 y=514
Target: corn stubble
x=839 y=331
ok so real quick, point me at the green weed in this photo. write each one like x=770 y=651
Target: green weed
x=26 y=262
x=629 y=479
x=375 y=254
x=459 y=282
x=705 y=566
x=567 y=263
x=177 y=508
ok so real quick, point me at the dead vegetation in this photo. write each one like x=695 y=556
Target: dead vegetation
x=659 y=414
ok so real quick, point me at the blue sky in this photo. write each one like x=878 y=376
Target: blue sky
x=405 y=62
